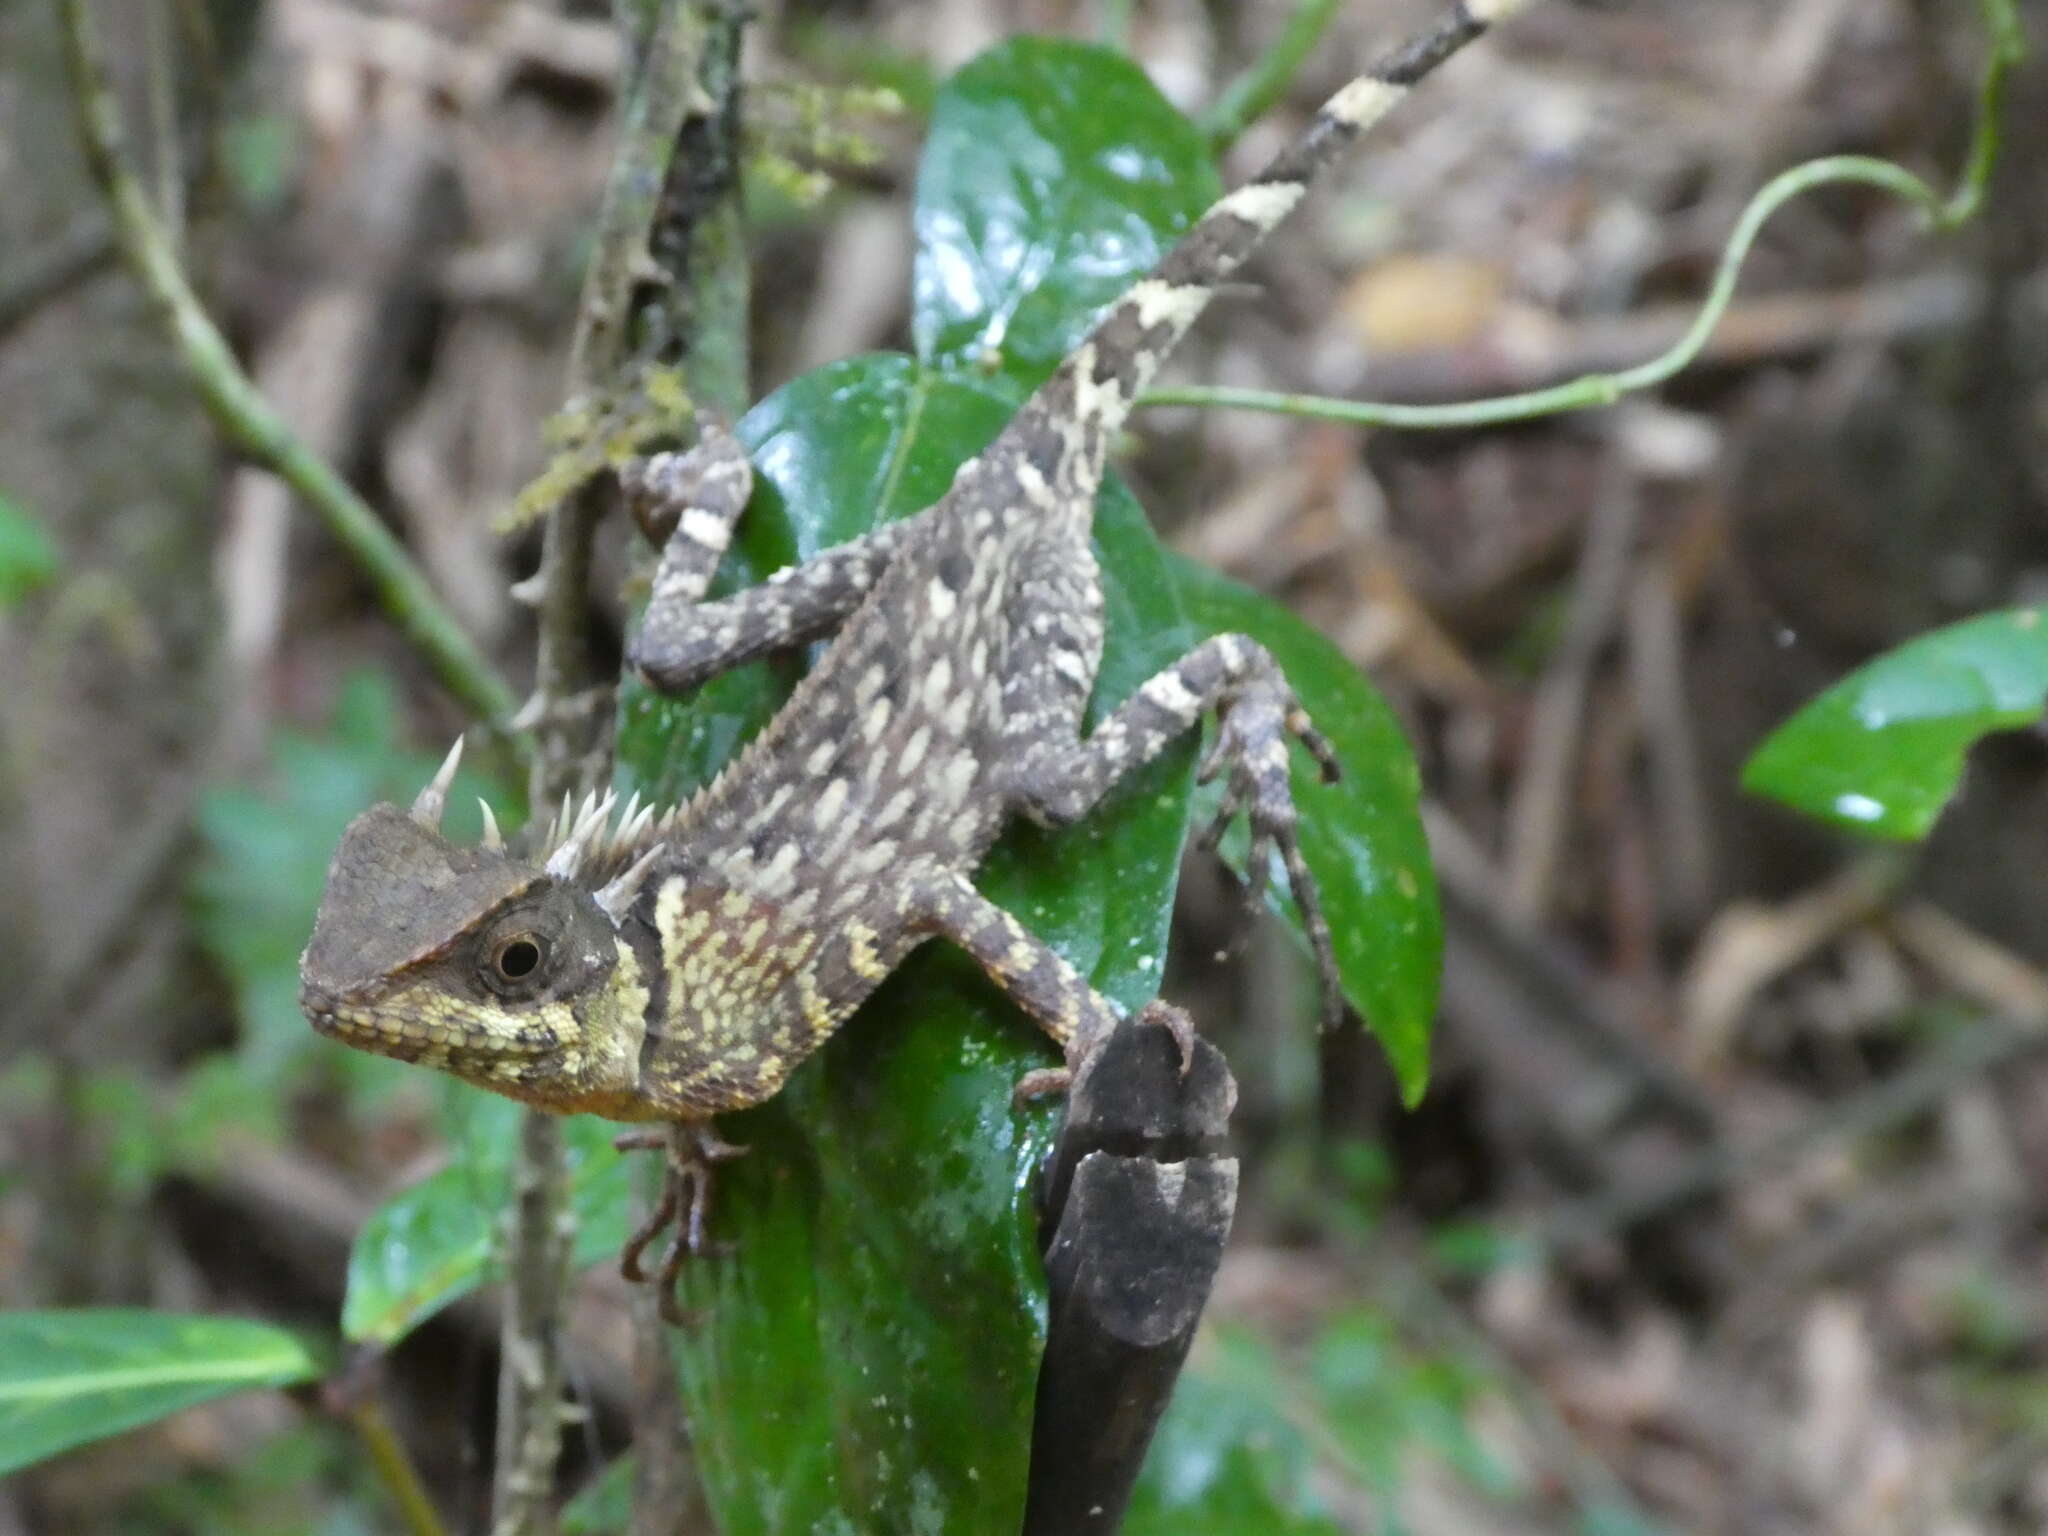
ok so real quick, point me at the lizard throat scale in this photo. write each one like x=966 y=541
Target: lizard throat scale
x=663 y=967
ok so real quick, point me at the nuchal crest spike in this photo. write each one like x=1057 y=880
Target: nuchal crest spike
x=426 y=810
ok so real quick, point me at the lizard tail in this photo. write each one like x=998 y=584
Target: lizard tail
x=1085 y=401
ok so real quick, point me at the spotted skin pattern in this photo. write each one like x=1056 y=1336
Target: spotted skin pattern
x=964 y=643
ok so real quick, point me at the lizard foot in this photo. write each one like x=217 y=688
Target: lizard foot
x=1251 y=743
x=692 y=1152
x=1050 y=1082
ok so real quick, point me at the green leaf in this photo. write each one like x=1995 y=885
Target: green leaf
x=1362 y=836
x=435 y=1242
x=1882 y=751
x=1055 y=176
x=27 y=557
x=866 y=1358
x=69 y=1377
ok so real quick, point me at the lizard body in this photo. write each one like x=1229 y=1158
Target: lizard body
x=665 y=968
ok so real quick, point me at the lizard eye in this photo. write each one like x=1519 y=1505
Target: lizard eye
x=519 y=957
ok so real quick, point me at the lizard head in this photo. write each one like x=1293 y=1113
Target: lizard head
x=511 y=973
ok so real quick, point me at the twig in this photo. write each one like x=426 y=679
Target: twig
x=238 y=409
x=541 y=1237
x=1252 y=94
x=1748 y=946
x=395 y=1469
x=1541 y=811
x=1776 y=327
x=1678 y=799
x=697 y=239
x=647 y=220
x=1943 y=213
x=1502 y=970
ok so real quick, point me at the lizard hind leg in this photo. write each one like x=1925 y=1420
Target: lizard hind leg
x=690 y=1152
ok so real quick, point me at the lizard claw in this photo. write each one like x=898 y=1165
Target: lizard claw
x=1175 y=1021
x=692 y=1152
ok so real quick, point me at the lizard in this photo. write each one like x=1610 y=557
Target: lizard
x=662 y=966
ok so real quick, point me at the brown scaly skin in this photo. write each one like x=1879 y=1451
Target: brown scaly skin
x=668 y=969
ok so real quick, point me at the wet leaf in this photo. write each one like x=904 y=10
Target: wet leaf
x=69 y=1377
x=1882 y=752
x=867 y=1355
x=435 y=1241
x=1055 y=176
x=1362 y=836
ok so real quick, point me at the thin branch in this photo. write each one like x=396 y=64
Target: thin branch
x=1255 y=92
x=668 y=98
x=395 y=1469
x=1944 y=212
x=541 y=1236
x=239 y=409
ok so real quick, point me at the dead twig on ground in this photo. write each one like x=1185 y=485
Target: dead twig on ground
x=1540 y=814
x=1749 y=946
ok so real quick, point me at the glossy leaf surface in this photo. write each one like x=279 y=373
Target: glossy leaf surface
x=1054 y=177
x=69 y=1377
x=1362 y=836
x=435 y=1242
x=1882 y=752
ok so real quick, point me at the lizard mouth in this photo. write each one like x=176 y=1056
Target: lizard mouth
x=338 y=1020
x=387 y=1034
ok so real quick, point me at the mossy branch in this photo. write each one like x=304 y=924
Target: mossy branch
x=648 y=300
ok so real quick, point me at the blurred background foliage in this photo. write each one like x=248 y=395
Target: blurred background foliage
x=1723 y=1212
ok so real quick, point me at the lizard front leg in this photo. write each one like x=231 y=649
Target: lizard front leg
x=682 y=644
x=1033 y=974
x=1233 y=675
